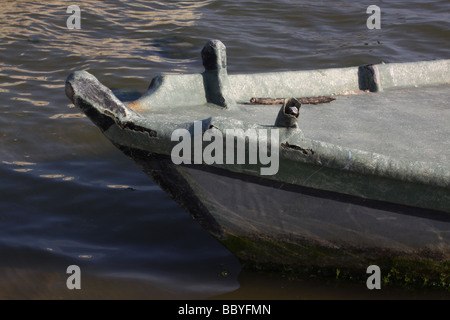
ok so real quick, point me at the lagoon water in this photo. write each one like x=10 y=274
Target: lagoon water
x=69 y=197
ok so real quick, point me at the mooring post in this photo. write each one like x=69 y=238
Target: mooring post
x=215 y=77
x=288 y=114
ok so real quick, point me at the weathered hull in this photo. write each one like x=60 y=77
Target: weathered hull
x=277 y=226
x=345 y=193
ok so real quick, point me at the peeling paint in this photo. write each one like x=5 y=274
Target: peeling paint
x=298 y=148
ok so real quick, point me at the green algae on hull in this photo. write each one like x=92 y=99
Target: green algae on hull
x=299 y=260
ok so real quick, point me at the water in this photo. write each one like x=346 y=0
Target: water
x=68 y=197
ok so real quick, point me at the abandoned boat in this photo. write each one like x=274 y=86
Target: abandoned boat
x=332 y=169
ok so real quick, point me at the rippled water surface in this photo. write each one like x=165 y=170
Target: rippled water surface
x=67 y=196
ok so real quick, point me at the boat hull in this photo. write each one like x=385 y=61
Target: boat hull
x=356 y=182
x=277 y=226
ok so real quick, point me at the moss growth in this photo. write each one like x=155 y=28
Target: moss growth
x=298 y=260
x=416 y=273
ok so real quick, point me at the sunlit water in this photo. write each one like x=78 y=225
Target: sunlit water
x=68 y=197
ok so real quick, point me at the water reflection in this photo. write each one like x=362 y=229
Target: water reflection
x=126 y=30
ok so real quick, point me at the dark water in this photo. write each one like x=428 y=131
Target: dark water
x=68 y=197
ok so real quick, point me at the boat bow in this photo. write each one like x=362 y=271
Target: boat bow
x=339 y=199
